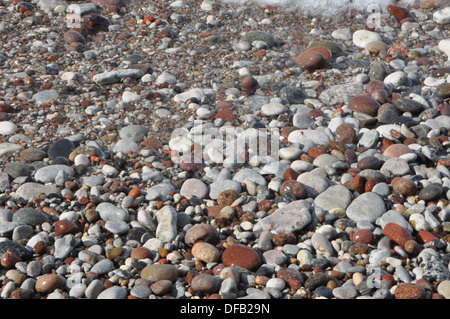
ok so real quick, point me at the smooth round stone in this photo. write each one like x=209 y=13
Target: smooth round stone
x=314 y=183
x=397 y=150
x=9 y=259
x=335 y=196
x=110 y=212
x=242 y=256
x=443 y=90
x=61 y=148
x=81 y=160
x=194 y=187
x=102 y=267
x=49 y=283
x=273 y=109
x=73 y=36
x=345 y=292
x=294 y=216
x=167 y=224
x=289 y=153
x=134 y=132
x=376 y=47
x=310 y=60
x=249 y=83
x=344 y=34
x=397 y=166
x=161 y=287
x=368 y=206
x=363 y=236
x=444 y=289
x=141 y=292
x=431 y=192
x=408 y=105
x=276 y=283
x=125 y=145
x=118 y=227
x=206 y=283
x=29 y=216
x=395 y=79
x=263 y=36
x=32 y=155
x=114 y=292
x=404 y=187
x=442 y=16
x=48 y=174
x=364 y=104
x=156 y=272
x=362 y=37
x=294 y=188
x=410 y=291
x=205 y=252
x=369 y=162
x=249 y=174
x=200 y=232
x=345 y=133
x=321 y=244
x=7 y=128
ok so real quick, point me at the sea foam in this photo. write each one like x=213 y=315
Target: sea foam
x=332 y=7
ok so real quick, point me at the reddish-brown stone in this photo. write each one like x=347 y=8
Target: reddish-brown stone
x=350 y=156
x=381 y=96
x=285 y=131
x=9 y=259
x=292 y=277
x=200 y=232
x=425 y=237
x=404 y=187
x=227 y=197
x=374 y=85
x=242 y=256
x=39 y=248
x=64 y=227
x=48 y=283
x=290 y=174
x=345 y=133
x=249 y=84
x=364 y=104
x=396 y=150
x=265 y=205
x=141 y=253
x=356 y=184
x=322 y=50
x=282 y=239
x=311 y=60
x=21 y=293
x=214 y=211
x=412 y=247
x=294 y=188
x=73 y=36
x=363 y=236
x=369 y=162
x=369 y=185
x=399 y=12
x=397 y=233
x=316 y=151
x=410 y=291
x=225 y=114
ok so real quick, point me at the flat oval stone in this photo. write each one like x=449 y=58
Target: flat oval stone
x=201 y=232
x=364 y=104
x=294 y=188
x=206 y=283
x=408 y=105
x=397 y=233
x=431 y=192
x=311 y=60
x=156 y=272
x=366 y=207
x=48 y=283
x=242 y=256
x=205 y=252
x=29 y=216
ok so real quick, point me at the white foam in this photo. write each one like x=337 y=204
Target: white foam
x=331 y=7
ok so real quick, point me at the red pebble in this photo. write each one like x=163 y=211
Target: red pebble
x=397 y=233
x=426 y=237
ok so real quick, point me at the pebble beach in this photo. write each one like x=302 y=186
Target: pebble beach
x=200 y=149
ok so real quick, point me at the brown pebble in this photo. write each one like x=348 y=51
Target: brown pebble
x=48 y=283
x=141 y=253
x=9 y=259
